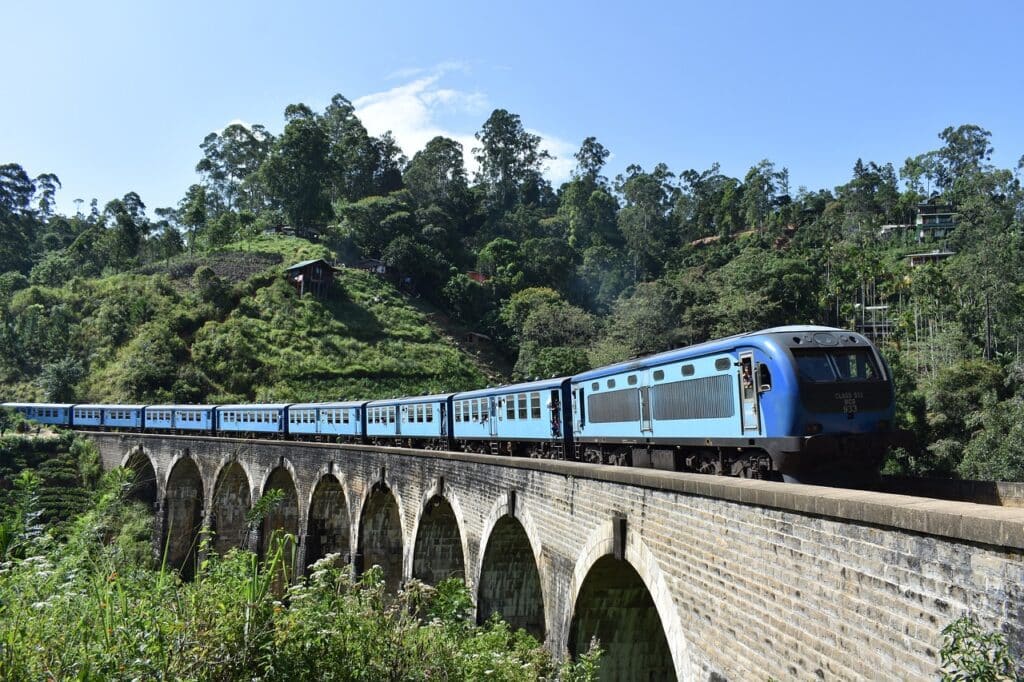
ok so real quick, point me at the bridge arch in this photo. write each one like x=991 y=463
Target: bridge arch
x=183 y=514
x=283 y=518
x=328 y=519
x=382 y=534
x=146 y=487
x=509 y=580
x=230 y=501
x=626 y=603
x=439 y=545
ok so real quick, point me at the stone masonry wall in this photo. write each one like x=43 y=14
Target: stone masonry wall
x=750 y=579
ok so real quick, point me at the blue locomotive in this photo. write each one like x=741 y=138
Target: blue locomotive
x=799 y=402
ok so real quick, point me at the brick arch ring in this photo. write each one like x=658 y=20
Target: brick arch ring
x=524 y=518
x=601 y=543
x=141 y=450
x=211 y=490
x=452 y=499
x=358 y=519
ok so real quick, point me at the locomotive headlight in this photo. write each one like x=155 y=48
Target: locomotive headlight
x=813 y=428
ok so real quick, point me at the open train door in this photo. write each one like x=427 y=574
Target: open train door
x=492 y=414
x=750 y=413
x=578 y=411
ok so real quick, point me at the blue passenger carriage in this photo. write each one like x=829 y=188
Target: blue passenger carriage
x=188 y=418
x=131 y=417
x=422 y=421
x=522 y=419
x=54 y=414
x=241 y=420
x=341 y=420
x=85 y=416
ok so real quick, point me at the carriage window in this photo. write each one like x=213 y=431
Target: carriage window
x=611 y=383
x=595 y=386
x=429 y=413
x=659 y=374
x=510 y=407
x=522 y=406
x=535 y=405
x=391 y=415
x=688 y=370
x=722 y=364
x=631 y=380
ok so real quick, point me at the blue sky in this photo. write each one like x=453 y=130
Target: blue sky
x=116 y=96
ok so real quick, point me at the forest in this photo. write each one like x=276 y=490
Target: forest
x=599 y=269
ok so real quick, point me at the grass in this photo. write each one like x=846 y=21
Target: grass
x=145 y=338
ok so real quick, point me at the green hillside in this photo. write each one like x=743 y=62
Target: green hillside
x=222 y=327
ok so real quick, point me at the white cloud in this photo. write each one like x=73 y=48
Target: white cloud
x=421 y=109
x=558 y=169
x=414 y=113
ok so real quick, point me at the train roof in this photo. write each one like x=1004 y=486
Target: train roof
x=57 y=405
x=98 y=406
x=180 y=407
x=343 y=403
x=705 y=348
x=437 y=397
x=254 y=406
x=512 y=388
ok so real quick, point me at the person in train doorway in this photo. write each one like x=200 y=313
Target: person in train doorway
x=556 y=423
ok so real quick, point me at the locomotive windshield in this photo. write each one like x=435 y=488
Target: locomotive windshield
x=836 y=364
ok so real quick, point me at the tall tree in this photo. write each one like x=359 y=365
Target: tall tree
x=297 y=171
x=229 y=159
x=646 y=219
x=967 y=151
x=590 y=159
x=510 y=161
x=763 y=186
x=437 y=174
x=130 y=226
x=193 y=213
x=17 y=222
x=47 y=185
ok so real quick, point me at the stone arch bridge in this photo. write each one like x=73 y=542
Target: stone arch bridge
x=680 y=576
